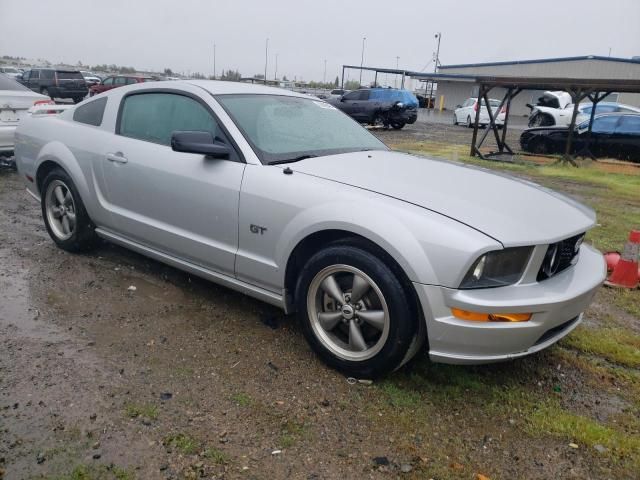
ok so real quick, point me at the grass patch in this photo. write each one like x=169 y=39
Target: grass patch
x=99 y=472
x=182 y=442
x=551 y=419
x=291 y=432
x=147 y=410
x=216 y=456
x=616 y=345
x=242 y=399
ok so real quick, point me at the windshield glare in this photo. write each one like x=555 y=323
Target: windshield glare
x=281 y=128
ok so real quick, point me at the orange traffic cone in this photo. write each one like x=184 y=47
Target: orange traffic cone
x=625 y=273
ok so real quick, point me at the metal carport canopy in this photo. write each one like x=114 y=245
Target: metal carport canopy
x=579 y=88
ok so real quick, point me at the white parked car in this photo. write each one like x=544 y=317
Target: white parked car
x=465 y=114
x=15 y=102
x=549 y=115
x=285 y=198
x=11 y=72
x=90 y=78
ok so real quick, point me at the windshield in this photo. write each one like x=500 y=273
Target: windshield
x=10 y=70
x=282 y=128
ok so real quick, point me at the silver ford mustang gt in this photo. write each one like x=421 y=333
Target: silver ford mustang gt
x=284 y=198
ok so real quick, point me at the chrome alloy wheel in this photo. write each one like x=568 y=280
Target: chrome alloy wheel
x=60 y=209
x=348 y=312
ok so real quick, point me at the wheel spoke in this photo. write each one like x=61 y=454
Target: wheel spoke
x=356 y=340
x=59 y=194
x=375 y=318
x=66 y=228
x=72 y=219
x=331 y=287
x=68 y=199
x=359 y=288
x=328 y=320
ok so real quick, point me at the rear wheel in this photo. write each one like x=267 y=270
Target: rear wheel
x=378 y=120
x=469 y=124
x=398 y=125
x=77 y=99
x=539 y=145
x=45 y=92
x=354 y=312
x=65 y=217
x=455 y=119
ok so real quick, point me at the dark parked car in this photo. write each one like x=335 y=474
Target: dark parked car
x=56 y=83
x=613 y=135
x=115 y=82
x=379 y=106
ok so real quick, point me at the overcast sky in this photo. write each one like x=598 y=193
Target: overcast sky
x=180 y=34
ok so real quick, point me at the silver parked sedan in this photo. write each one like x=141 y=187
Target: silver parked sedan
x=284 y=198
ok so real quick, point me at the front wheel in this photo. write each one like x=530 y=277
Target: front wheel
x=354 y=312
x=65 y=217
x=398 y=125
x=469 y=124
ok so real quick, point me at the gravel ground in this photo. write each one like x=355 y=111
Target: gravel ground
x=180 y=378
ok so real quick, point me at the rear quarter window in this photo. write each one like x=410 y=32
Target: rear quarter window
x=64 y=75
x=91 y=113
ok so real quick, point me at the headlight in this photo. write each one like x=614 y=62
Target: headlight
x=498 y=268
x=399 y=105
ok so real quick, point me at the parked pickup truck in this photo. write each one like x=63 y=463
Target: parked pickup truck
x=283 y=197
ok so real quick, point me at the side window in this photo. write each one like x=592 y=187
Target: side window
x=108 y=81
x=629 y=124
x=48 y=74
x=131 y=81
x=91 y=113
x=35 y=74
x=605 y=124
x=365 y=94
x=119 y=81
x=155 y=116
x=25 y=75
x=352 y=95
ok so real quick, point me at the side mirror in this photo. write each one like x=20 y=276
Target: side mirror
x=199 y=142
x=458 y=106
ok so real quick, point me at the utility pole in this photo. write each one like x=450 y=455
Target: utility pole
x=214 y=61
x=362 y=61
x=275 y=75
x=435 y=67
x=395 y=77
x=324 y=77
x=266 y=60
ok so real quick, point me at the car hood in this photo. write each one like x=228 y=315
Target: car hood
x=510 y=210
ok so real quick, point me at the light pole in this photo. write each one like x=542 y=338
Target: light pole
x=435 y=67
x=324 y=76
x=266 y=60
x=395 y=77
x=214 y=61
x=275 y=75
x=362 y=61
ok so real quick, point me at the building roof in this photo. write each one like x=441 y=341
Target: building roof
x=543 y=60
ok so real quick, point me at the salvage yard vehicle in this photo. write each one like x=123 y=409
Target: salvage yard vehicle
x=56 y=83
x=15 y=102
x=556 y=108
x=90 y=78
x=615 y=135
x=286 y=199
x=379 y=106
x=465 y=114
x=11 y=72
x=117 y=81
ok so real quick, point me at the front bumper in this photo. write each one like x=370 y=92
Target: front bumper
x=557 y=305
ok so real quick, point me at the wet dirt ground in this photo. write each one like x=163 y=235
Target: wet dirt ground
x=180 y=378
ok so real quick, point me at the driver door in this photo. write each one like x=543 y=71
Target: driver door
x=182 y=204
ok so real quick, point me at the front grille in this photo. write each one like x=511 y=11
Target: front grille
x=560 y=256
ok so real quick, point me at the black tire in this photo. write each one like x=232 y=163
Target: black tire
x=539 y=145
x=455 y=119
x=402 y=316
x=77 y=99
x=378 y=121
x=398 y=125
x=541 y=120
x=469 y=124
x=45 y=92
x=83 y=236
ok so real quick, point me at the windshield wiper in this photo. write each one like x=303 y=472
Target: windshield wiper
x=291 y=160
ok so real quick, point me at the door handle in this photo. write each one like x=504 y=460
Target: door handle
x=117 y=157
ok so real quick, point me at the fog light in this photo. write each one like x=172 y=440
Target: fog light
x=490 y=317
